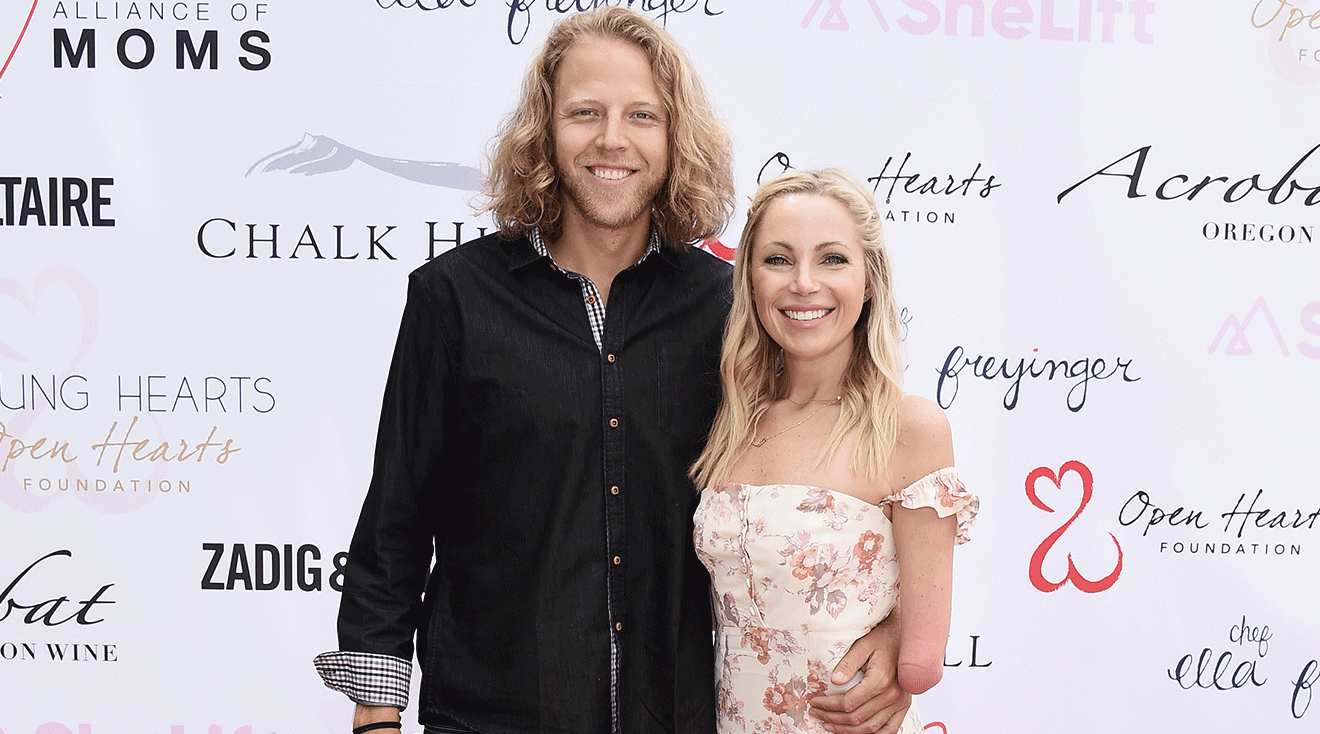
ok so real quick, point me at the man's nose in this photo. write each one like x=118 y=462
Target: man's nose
x=612 y=133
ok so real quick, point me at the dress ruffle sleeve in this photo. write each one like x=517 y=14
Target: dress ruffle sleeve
x=943 y=491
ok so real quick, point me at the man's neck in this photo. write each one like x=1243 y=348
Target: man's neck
x=597 y=252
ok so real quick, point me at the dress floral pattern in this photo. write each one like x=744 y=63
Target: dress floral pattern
x=799 y=573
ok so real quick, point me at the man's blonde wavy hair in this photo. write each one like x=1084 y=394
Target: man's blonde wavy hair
x=750 y=369
x=696 y=201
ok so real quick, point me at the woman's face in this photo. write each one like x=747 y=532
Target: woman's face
x=809 y=276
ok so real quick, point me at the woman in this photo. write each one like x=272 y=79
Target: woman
x=826 y=486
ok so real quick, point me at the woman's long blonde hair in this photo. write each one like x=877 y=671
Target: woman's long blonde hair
x=751 y=373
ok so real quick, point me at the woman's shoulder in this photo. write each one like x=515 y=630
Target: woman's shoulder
x=925 y=440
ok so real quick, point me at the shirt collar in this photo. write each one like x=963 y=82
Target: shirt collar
x=653 y=245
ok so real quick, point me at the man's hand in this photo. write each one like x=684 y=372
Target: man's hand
x=877 y=704
x=372 y=714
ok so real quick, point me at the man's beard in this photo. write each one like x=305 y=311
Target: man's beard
x=606 y=209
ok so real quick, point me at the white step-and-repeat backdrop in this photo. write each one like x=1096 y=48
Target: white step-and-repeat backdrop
x=1104 y=218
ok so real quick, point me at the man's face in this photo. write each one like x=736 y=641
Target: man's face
x=611 y=132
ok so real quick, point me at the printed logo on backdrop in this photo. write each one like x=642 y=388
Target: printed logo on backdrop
x=1287 y=182
x=1242 y=523
x=1079 y=375
x=102 y=438
x=1258 y=319
x=1243 y=664
x=932 y=194
x=91 y=35
x=63 y=201
x=39 y=604
x=518 y=18
x=1239 y=523
x=1290 y=30
x=270 y=567
x=201 y=35
x=1089 y=581
x=227 y=237
x=1048 y=20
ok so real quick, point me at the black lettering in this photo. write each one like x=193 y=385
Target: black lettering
x=217 y=552
x=256 y=385
x=309 y=576
x=1133 y=176
x=308 y=239
x=263 y=552
x=86 y=44
x=262 y=55
x=456 y=240
x=955 y=355
x=375 y=241
x=5 y=595
x=10 y=183
x=201 y=241
x=238 y=568
x=183 y=45
x=148 y=48
x=74 y=202
x=253 y=240
x=337 y=577
x=1305 y=681
x=32 y=205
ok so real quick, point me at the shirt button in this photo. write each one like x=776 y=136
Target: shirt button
x=609 y=358
x=591 y=299
x=618 y=626
x=614 y=489
x=617 y=560
x=614 y=423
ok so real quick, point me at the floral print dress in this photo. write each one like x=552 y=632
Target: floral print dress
x=799 y=574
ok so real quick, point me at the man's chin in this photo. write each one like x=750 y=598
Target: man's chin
x=616 y=215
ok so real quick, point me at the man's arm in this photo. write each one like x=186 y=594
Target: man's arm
x=372 y=714
x=877 y=704
x=389 y=557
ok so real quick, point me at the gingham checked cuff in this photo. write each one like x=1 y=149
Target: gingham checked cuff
x=368 y=678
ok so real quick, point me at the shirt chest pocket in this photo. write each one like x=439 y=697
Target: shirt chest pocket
x=687 y=391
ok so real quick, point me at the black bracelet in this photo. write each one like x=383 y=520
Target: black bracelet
x=378 y=725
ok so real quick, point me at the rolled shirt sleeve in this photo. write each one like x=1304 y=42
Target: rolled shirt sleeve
x=366 y=678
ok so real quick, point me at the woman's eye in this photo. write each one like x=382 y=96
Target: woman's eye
x=776 y=260
x=835 y=258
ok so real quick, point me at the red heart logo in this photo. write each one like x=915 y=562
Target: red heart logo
x=14 y=48
x=1035 y=572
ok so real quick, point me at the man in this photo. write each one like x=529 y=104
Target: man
x=549 y=388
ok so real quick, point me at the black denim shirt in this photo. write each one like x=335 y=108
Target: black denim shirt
x=548 y=477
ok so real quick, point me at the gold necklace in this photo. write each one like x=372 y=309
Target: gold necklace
x=759 y=442
x=813 y=400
